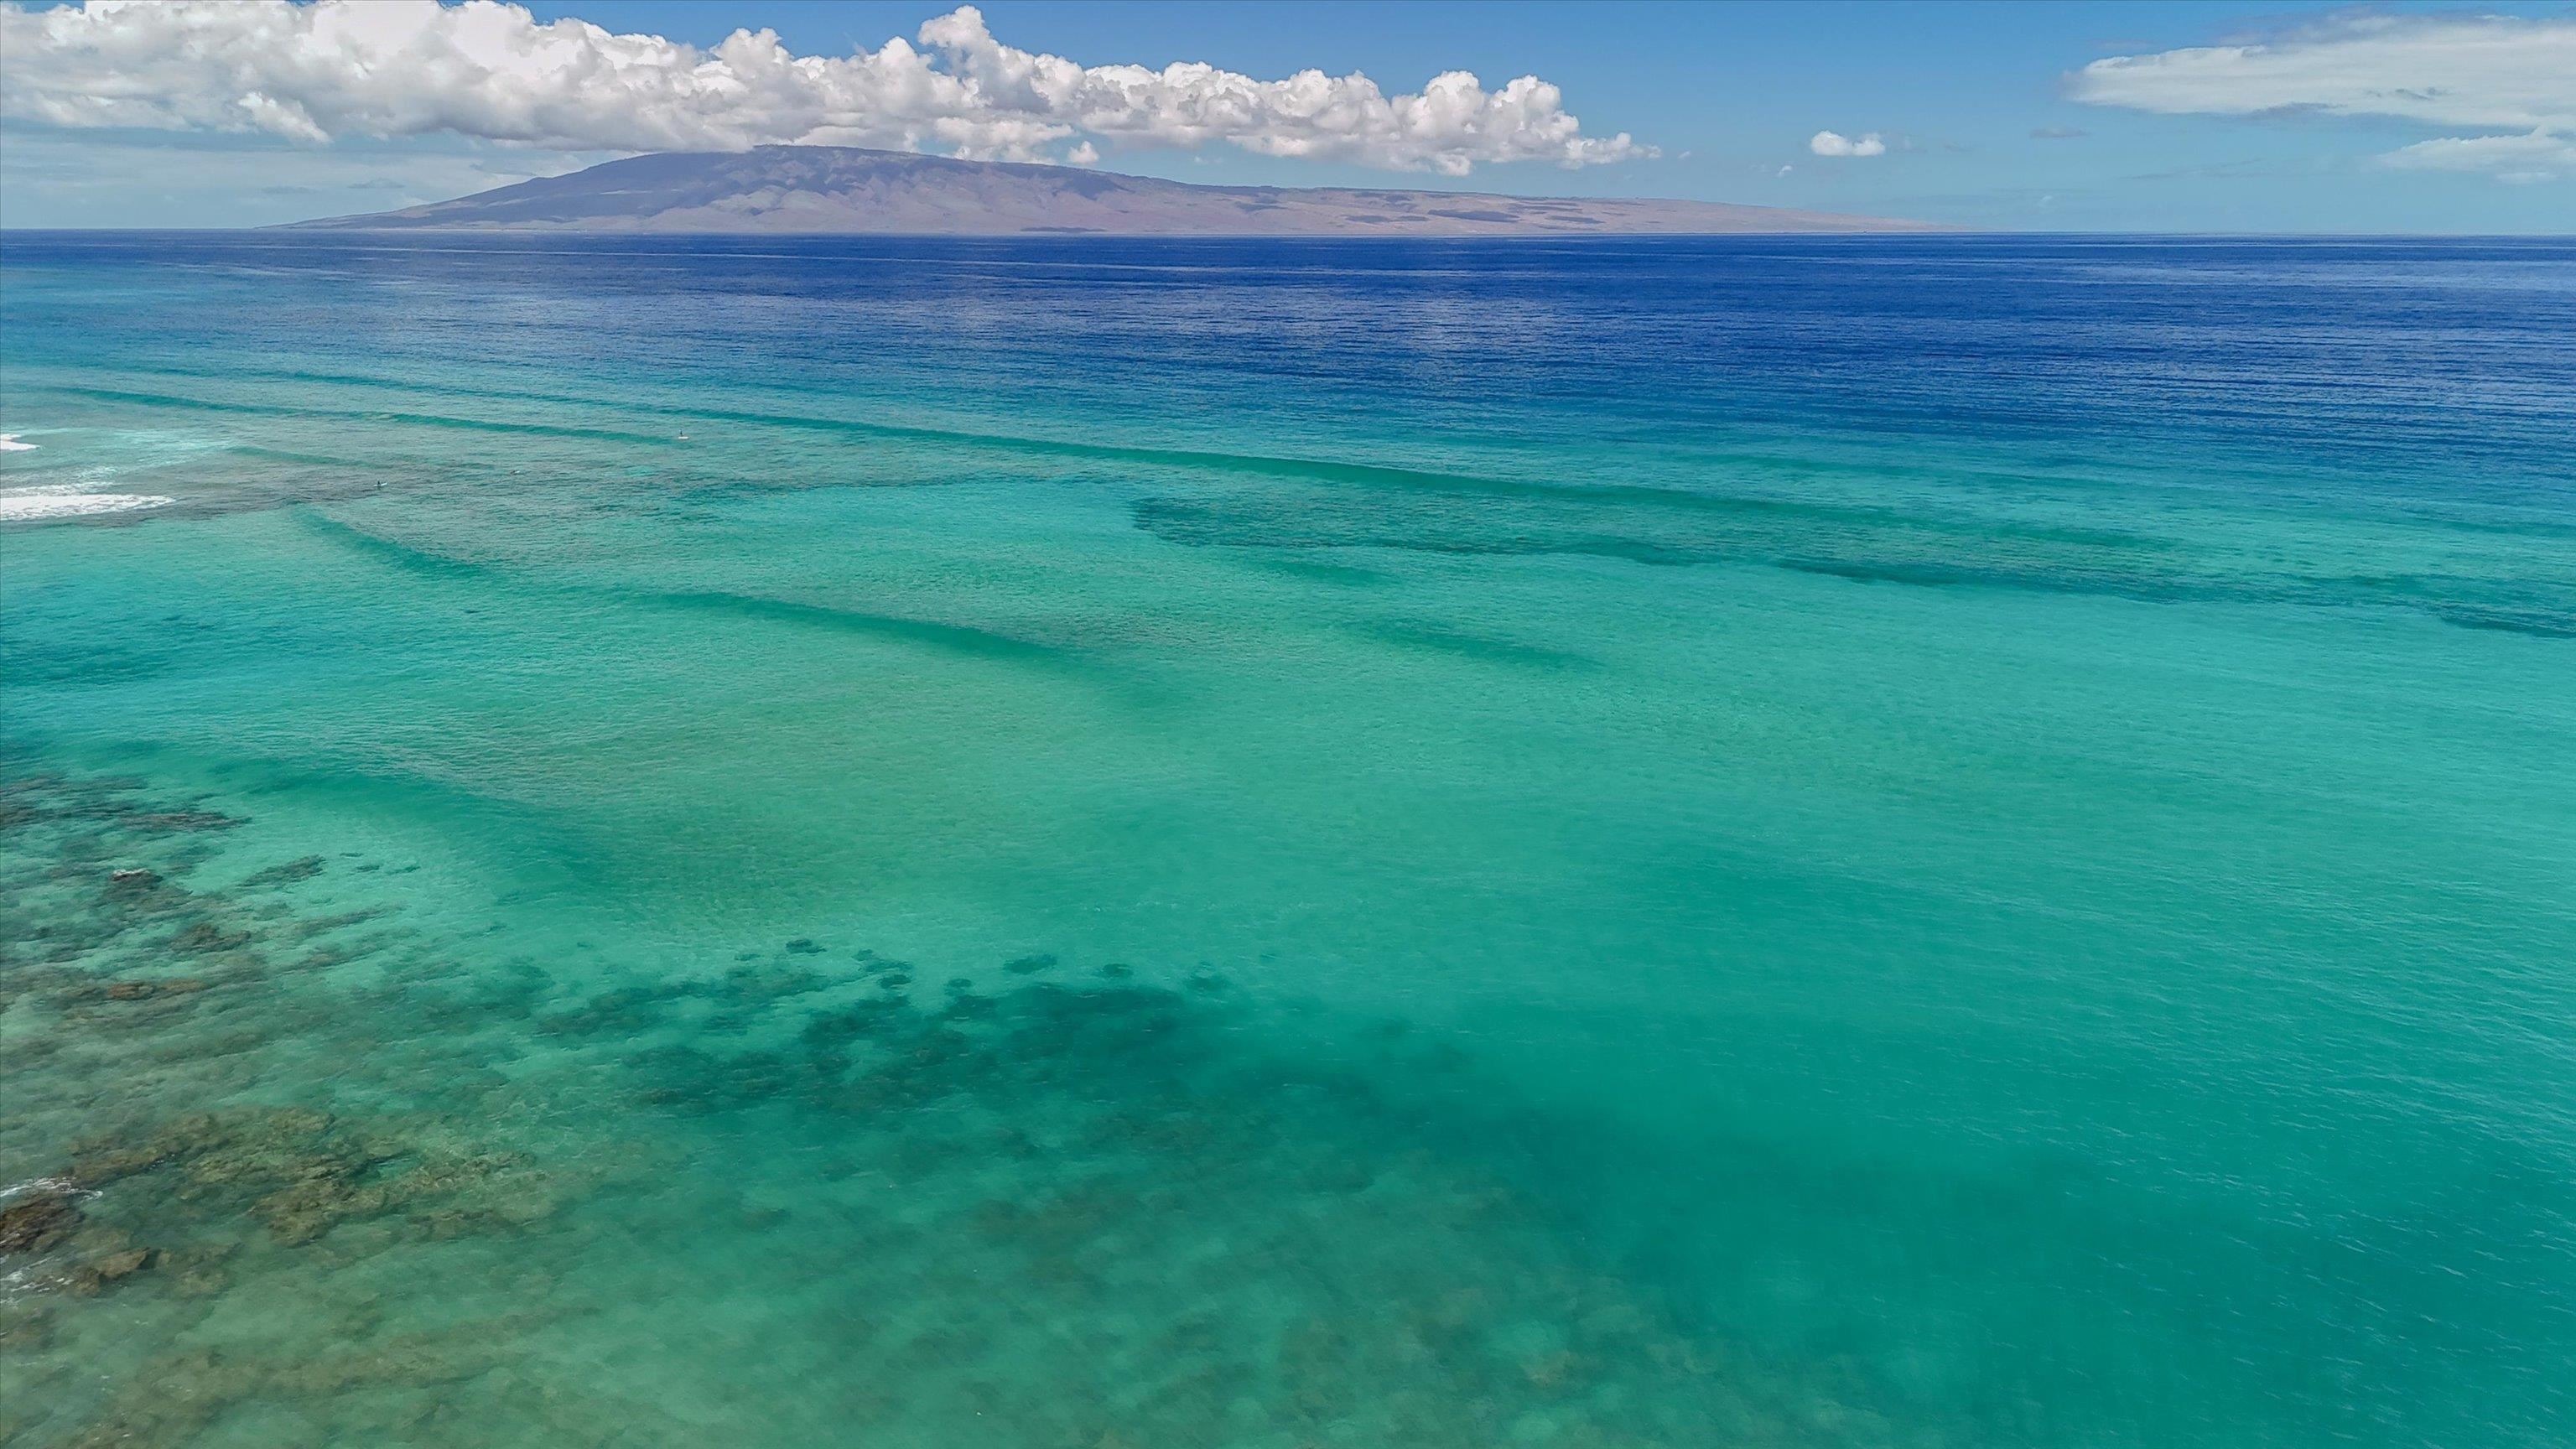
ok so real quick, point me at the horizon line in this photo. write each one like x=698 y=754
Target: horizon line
x=1953 y=233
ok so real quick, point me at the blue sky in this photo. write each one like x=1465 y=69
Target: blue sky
x=1979 y=112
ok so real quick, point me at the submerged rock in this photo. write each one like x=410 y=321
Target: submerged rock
x=761 y=984
x=628 y=1010
x=92 y=1277
x=146 y=990
x=205 y=937
x=287 y=874
x=38 y=1220
x=298 y=1173
x=174 y=820
x=106 y=1163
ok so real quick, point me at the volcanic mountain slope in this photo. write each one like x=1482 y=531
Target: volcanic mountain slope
x=828 y=189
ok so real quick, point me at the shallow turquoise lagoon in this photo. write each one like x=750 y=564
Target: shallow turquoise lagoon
x=1826 y=842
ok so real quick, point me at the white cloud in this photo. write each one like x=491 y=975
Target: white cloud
x=2533 y=156
x=2467 y=72
x=1833 y=143
x=487 y=70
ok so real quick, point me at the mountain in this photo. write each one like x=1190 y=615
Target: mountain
x=845 y=189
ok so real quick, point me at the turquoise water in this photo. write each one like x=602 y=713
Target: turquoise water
x=1909 y=842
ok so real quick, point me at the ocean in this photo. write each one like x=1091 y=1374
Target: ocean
x=1941 y=842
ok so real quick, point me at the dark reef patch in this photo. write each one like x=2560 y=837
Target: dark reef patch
x=1862 y=545
x=960 y=639
x=1481 y=647
x=286 y=874
x=1242 y=1227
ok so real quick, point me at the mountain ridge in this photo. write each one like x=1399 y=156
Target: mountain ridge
x=852 y=190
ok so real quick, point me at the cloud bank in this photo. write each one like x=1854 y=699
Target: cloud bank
x=2535 y=156
x=386 y=68
x=2512 y=79
x=1834 y=143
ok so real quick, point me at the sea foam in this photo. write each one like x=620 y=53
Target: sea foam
x=63 y=500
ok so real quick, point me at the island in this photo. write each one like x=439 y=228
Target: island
x=851 y=190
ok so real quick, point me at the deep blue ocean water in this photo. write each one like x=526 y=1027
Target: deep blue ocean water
x=1927 y=841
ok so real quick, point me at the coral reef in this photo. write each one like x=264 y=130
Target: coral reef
x=310 y=1174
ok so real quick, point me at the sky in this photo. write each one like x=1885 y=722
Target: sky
x=2165 y=117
